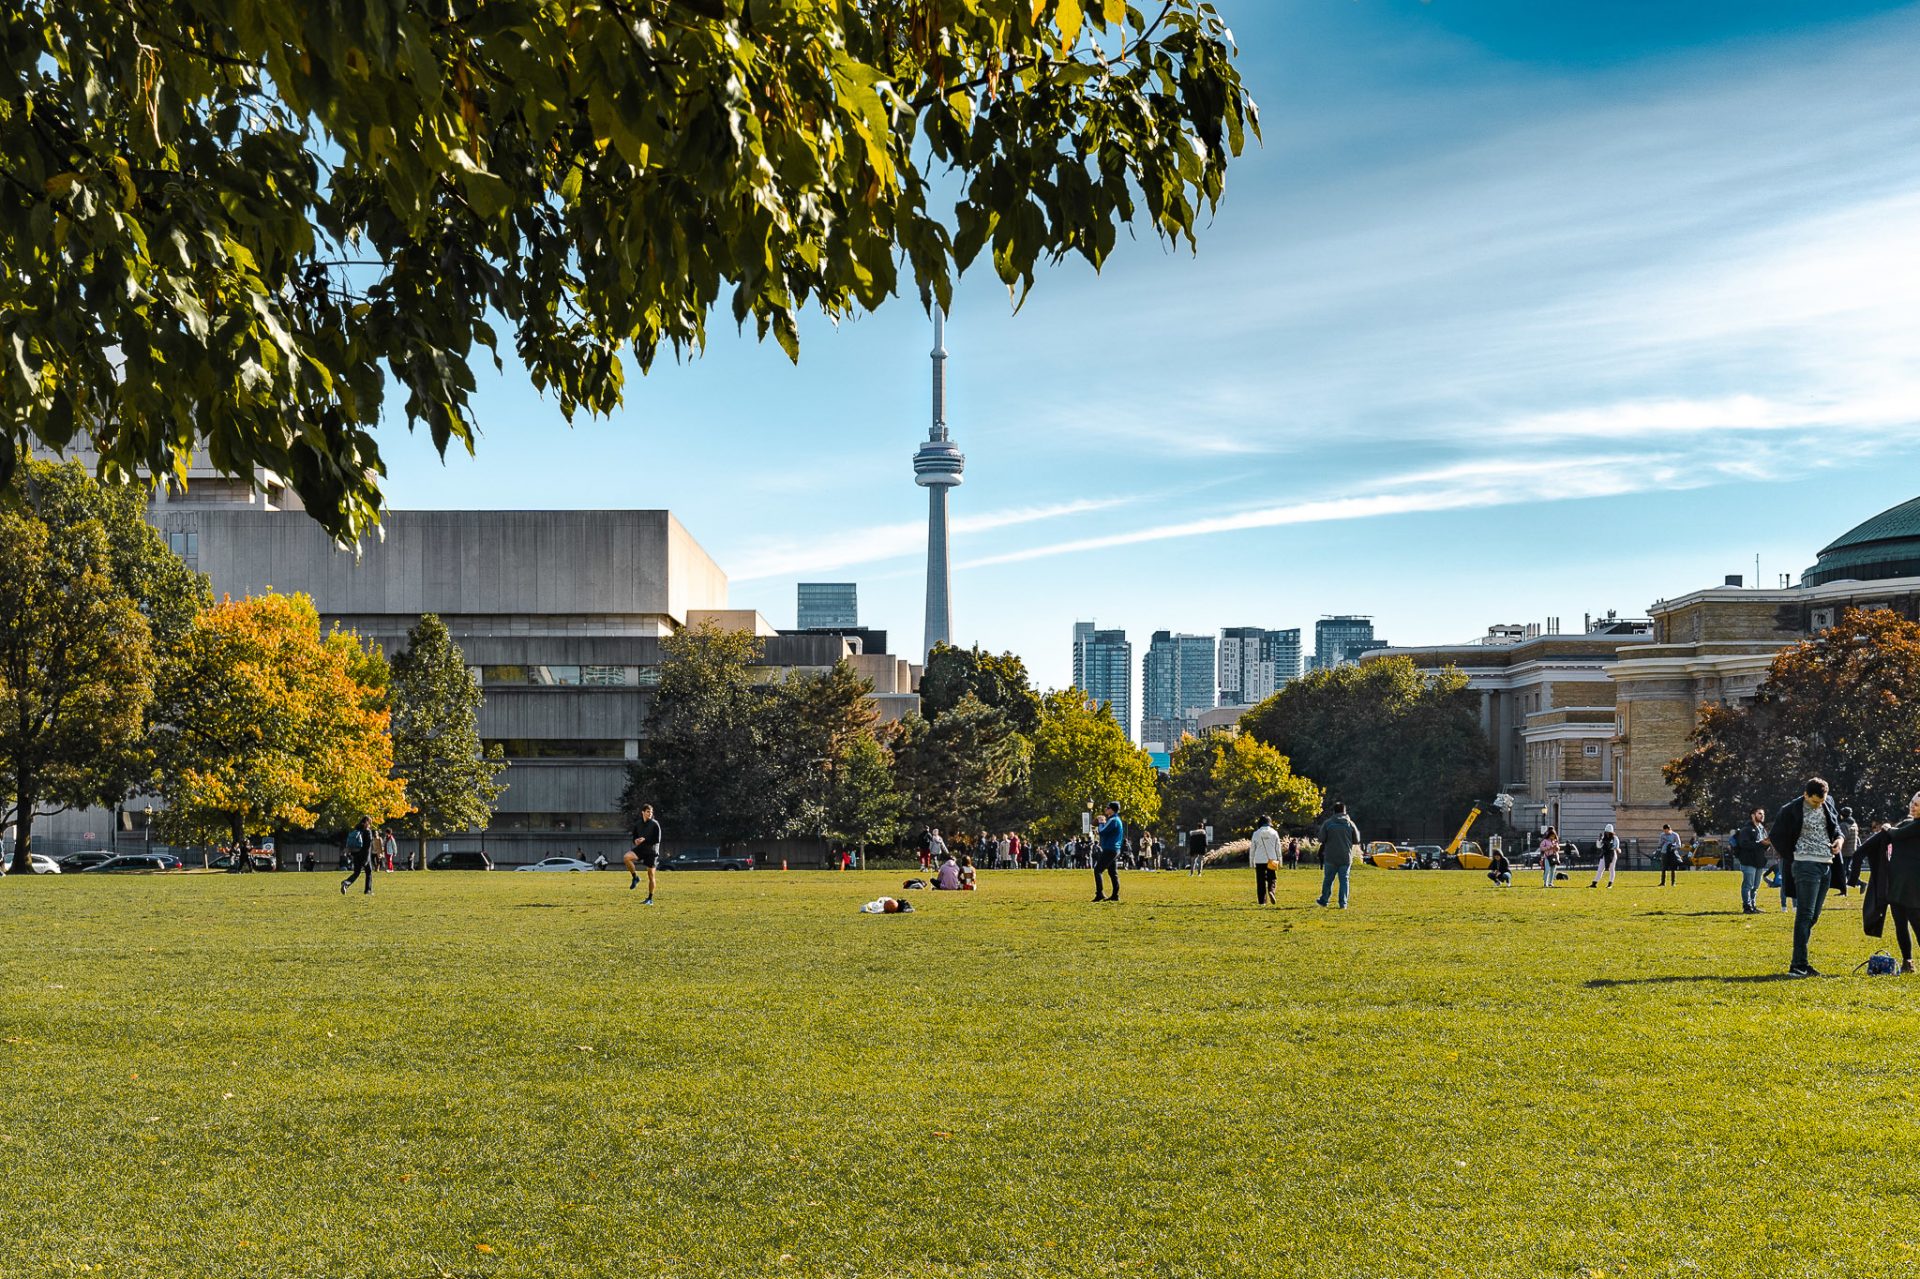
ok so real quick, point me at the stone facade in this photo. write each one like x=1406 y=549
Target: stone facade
x=1547 y=706
x=1710 y=648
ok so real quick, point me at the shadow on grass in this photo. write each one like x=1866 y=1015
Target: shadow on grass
x=1700 y=914
x=1603 y=983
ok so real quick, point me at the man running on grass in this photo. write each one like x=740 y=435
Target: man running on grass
x=645 y=851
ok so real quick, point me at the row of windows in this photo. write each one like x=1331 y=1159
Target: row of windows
x=569 y=676
x=184 y=544
x=564 y=747
x=562 y=822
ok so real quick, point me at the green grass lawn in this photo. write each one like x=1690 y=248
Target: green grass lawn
x=532 y=1075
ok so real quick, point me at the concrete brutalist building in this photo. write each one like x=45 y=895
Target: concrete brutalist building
x=560 y=615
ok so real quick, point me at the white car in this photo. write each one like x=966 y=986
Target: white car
x=560 y=863
x=42 y=864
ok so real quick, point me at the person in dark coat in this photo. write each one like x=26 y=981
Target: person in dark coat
x=1806 y=833
x=1892 y=860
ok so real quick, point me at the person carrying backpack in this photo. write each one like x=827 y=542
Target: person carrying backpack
x=359 y=855
x=1750 y=853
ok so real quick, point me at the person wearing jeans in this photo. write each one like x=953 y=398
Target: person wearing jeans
x=1750 y=852
x=1338 y=838
x=1112 y=836
x=1549 y=856
x=1807 y=832
x=1669 y=855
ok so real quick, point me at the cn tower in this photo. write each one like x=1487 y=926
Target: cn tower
x=936 y=468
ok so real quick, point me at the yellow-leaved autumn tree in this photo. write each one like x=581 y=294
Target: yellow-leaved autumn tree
x=269 y=725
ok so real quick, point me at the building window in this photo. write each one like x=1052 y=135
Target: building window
x=559 y=747
x=568 y=676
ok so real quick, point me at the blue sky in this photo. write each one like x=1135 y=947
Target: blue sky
x=1523 y=310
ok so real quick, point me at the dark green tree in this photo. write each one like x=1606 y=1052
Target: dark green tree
x=707 y=764
x=1404 y=750
x=999 y=681
x=242 y=220
x=965 y=771
x=865 y=806
x=452 y=779
x=810 y=722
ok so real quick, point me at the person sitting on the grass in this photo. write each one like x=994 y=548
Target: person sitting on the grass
x=966 y=874
x=1501 y=870
x=949 y=876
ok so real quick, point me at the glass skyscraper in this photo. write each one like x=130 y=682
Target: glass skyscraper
x=1340 y=640
x=1177 y=684
x=829 y=605
x=1103 y=670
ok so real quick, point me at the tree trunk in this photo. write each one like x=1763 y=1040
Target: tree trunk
x=23 y=829
x=423 y=853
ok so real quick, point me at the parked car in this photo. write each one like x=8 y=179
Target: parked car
x=137 y=862
x=706 y=859
x=559 y=863
x=261 y=861
x=461 y=861
x=86 y=859
x=42 y=864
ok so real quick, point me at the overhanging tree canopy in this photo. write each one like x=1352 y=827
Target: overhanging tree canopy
x=235 y=219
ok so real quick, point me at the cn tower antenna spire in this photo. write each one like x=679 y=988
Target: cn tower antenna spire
x=937 y=467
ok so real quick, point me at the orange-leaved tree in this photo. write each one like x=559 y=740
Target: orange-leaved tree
x=268 y=724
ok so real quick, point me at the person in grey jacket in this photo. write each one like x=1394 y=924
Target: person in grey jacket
x=1338 y=838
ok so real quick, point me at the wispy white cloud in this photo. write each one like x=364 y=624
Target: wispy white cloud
x=1473 y=485
x=875 y=544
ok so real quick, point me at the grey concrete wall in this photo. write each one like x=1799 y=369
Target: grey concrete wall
x=467 y=562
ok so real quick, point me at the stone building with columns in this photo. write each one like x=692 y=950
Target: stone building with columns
x=1714 y=647
x=1546 y=705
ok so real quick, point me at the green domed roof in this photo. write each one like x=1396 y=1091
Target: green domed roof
x=1888 y=545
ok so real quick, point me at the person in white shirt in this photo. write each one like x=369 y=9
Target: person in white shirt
x=1264 y=854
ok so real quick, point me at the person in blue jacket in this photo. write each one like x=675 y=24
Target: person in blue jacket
x=1112 y=836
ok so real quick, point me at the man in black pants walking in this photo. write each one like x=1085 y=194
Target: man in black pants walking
x=360 y=854
x=1107 y=858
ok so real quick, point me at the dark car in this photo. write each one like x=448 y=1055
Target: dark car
x=137 y=862
x=706 y=859
x=83 y=861
x=261 y=861
x=461 y=861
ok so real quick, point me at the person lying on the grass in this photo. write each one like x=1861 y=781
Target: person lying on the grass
x=949 y=876
x=887 y=906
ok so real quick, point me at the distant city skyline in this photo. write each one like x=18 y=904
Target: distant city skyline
x=1560 y=290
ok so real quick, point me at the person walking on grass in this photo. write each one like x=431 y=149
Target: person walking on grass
x=1807 y=832
x=1264 y=855
x=1669 y=854
x=1112 y=837
x=1892 y=859
x=1197 y=847
x=1606 y=857
x=1338 y=838
x=1750 y=854
x=1549 y=856
x=360 y=855
x=645 y=852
